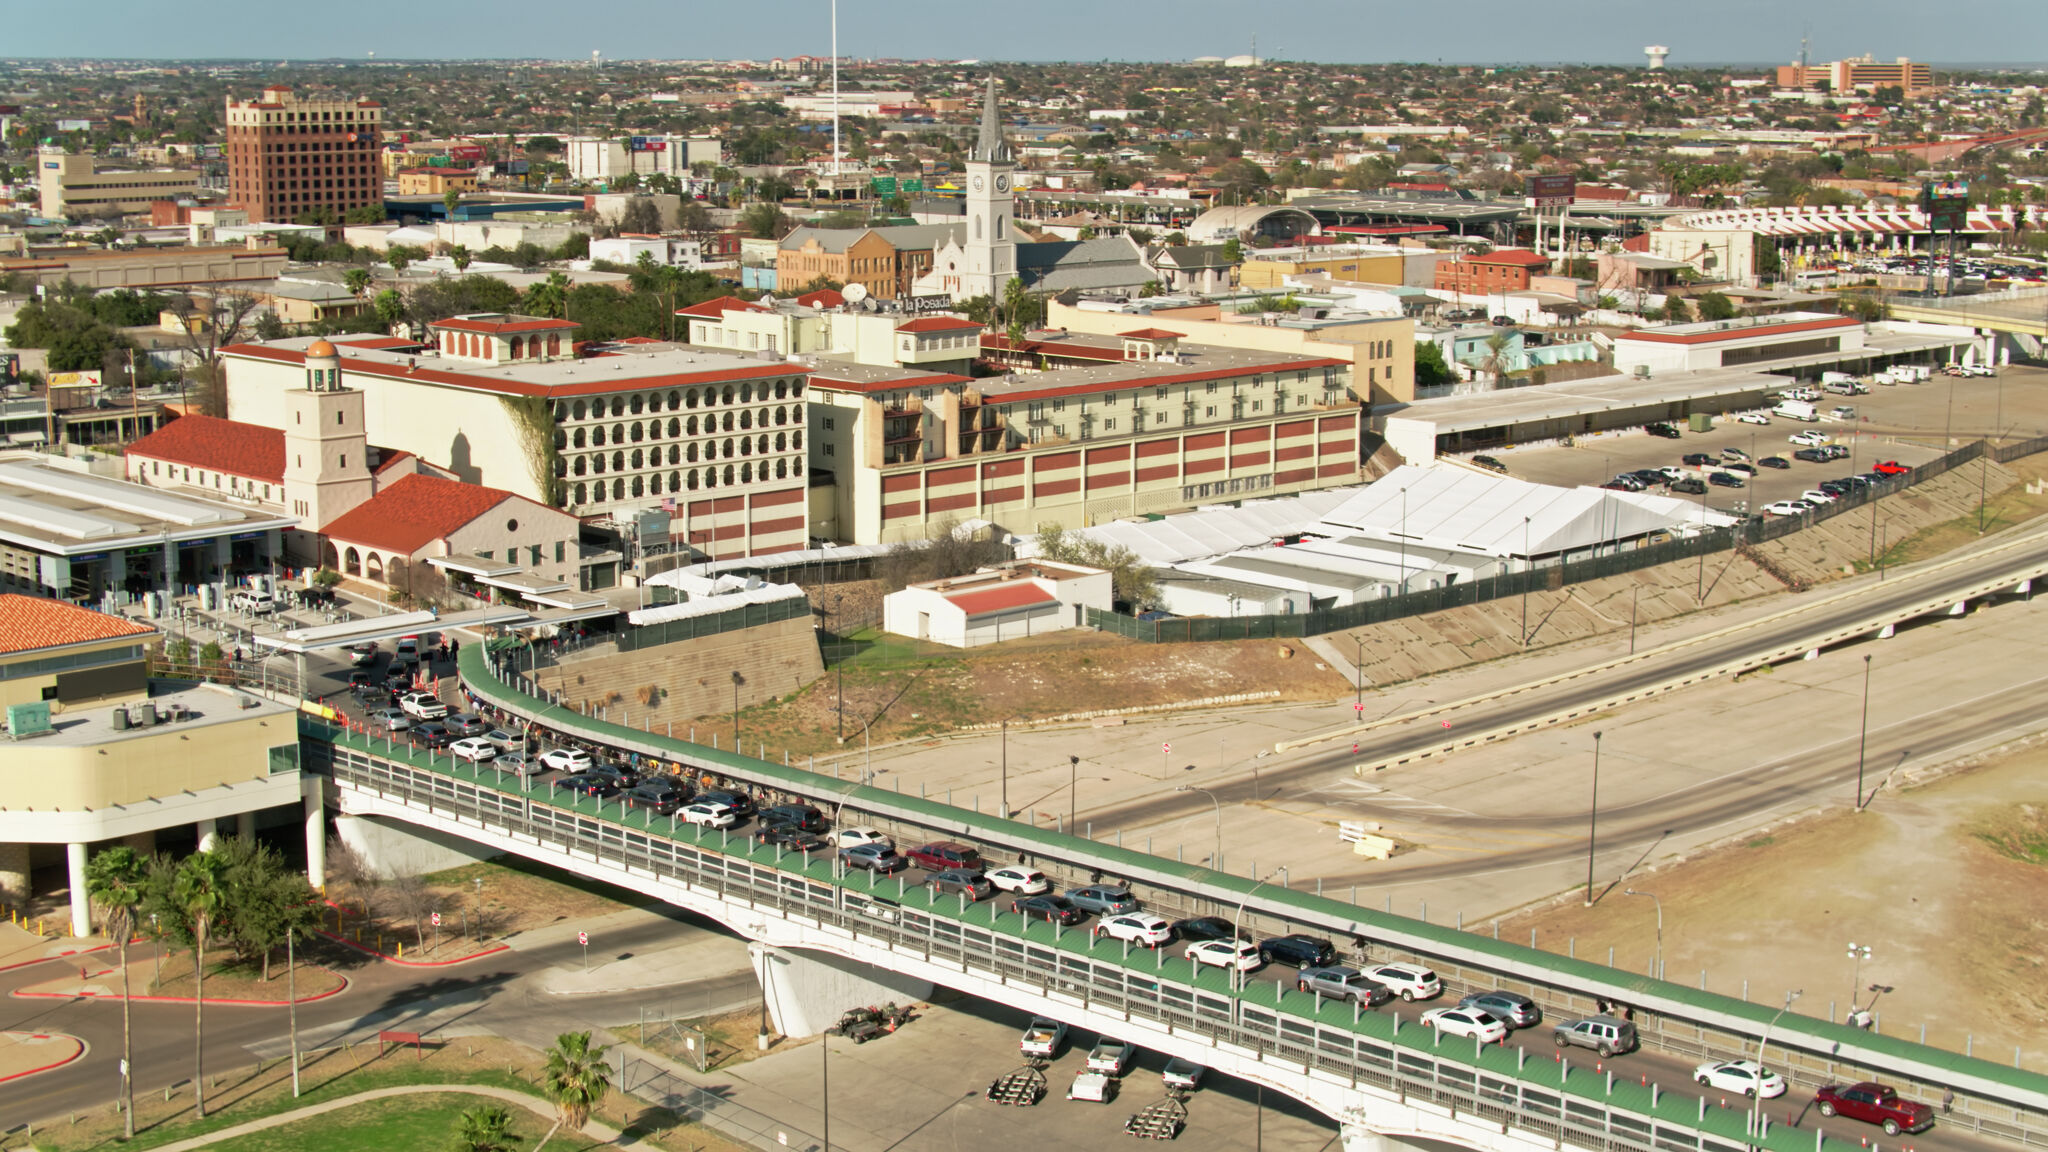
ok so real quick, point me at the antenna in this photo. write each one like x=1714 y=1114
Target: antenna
x=835 y=96
x=1805 y=34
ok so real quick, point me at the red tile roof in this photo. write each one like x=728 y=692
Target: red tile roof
x=499 y=327
x=822 y=298
x=413 y=512
x=229 y=446
x=1012 y=594
x=1150 y=334
x=937 y=324
x=29 y=623
x=714 y=309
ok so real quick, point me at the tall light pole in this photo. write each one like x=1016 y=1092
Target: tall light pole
x=825 y=1078
x=1236 y=927
x=1858 y=953
x=1593 y=820
x=1660 y=926
x=1358 y=674
x=1863 y=736
x=1073 y=793
x=1528 y=566
x=1756 y=1100
x=1216 y=859
x=737 y=680
x=1006 y=770
x=1404 y=542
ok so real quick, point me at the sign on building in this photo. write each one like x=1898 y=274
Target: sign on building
x=1551 y=191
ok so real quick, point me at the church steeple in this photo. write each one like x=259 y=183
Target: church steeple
x=990 y=147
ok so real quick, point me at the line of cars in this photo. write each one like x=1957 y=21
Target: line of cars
x=1107 y=1063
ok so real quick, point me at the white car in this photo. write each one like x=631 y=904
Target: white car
x=565 y=759
x=475 y=749
x=1816 y=497
x=1788 y=508
x=1673 y=472
x=1811 y=438
x=1754 y=418
x=708 y=815
x=1242 y=955
x=1744 y=1076
x=1019 y=879
x=1135 y=927
x=1475 y=1022
x=1408 y=981
x=862 y=834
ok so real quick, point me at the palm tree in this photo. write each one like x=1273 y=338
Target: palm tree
x=575 y=1078
x=548 y=298
x=460 y=256
x=113 y=879
x=200 y=892
x=484 y=1128
x=357 y=281
x=1496 y=360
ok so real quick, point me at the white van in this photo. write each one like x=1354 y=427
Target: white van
x=1796 y=410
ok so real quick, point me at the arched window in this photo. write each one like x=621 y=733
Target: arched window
x=690 y=452
x=618 y=433
x=675 y=480
x=675 y=401
x=352 y=563
x=796 y=466
x=561 y=439
x=728 y=393
x=977 y=225
x=597 y=463
x=582 y=492
x=675 y=454
x=782 y=441
x=618 y=405
x=729 y=453
x=373 y=568
x=618 y=489
x=746 y=473
x=999 y=225
x=728 y=475
x=327 y=557
x=516 y=347
x=781 y=415
x=639 y=487
x=796 y=441
x=761 y=445
x=781 y=468
x=554 y=345
x=636 y=404
x=639 y=461
x=781 y=389
x=746 y=418
x=618 y=461
x=597 y=434
x=576 y=438
x=675 y=427
x=561 y=410
x=579 y=410
x=728 y=421
x=711 y=477
x=691 y=426
x=579 y=464
x=638 y=430
x=690 y=398
x=561 y=467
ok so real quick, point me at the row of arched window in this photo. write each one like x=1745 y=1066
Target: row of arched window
x=727 y=449
x=597 y=435
x=696 y=479
x=675 y=400
x=475 y=347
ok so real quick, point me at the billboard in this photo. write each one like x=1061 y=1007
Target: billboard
x=1551 y=191
x=647 y=144
x=74 y=380
x=1947 y=204
x=884 y=186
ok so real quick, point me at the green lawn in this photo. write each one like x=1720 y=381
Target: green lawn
x=427 y=1120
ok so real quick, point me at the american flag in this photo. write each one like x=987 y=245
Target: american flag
x=668 y=504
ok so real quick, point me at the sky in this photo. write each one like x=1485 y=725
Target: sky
x=1328 y=31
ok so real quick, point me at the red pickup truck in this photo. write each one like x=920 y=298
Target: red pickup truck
x=1875 y=1104
x=944 y=854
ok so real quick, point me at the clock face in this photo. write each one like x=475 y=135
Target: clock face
x=1002 y=183
x=977 y=183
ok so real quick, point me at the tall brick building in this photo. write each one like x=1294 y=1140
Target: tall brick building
x=288 y=157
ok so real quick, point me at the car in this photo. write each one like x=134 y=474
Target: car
x=1742 y=466
x=1607 y=1035
x=1673 y=472
x=657 y=796
x=1754 y=418
x=361 y=655
x=1242 y=955
x=1787 y=508
x=618 y=774
x=584 y=784
x=1043 y=1037
x=389 y=719
x=1818 y=496
x=1020 y=880
x=1778 y=462
x=1112 y=1057
x=1834 y=451
x=1409 y=981
x=473 y=749
x=1477 y=1023
x=1103 y=899
x=1724 y=480
x=1510 y=1008
x=974 y=884
x=802 y=815
x=1744 y=1076
x=1142 y=928
x=1185 y=1075
x=1691 y=486
x=861 y=834
x=943 y=854
x=408 y=650
x=430 y=734
x=1204 y=928
x=463 y=725
x=1667 y=431
x=423 y=706
x=1874 y=1103
x=873 y=857
x=565 y=759
x=741 y=804
x=252 y=601
x=358 y=678
x=1698 y=459
x=1054 y=909
x=1891 y=468
x=1812 y=438
x=1095 y=1087
x=516 y=763
x=1490 y=464
x=1811 y=456
x=785 y=834
x=1342 y=983
x=397 y=677
x=1300 y=950
x=374 y=697
x=1734 y=454
x=702 y=814
x=506 y=741
x=1842 y=412
x=1650 y=475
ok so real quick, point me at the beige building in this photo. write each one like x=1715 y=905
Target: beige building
x=146 y=267
x=819 y=324
x=99 y=753
x=388 y=539
x=435 y=181
x=75 y=186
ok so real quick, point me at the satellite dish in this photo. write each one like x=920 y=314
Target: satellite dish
x=855 y=293
x=871 y=305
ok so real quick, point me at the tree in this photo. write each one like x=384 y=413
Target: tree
x=546 y=298
x=641 y=216
x=389 y=307
x=484 y=1128
x=1495 y=364
x=449 y=200
x=1131 y=579
x=408 y=897
x=1715 y=306
x=460 y=257
x=357 y=281
x=1233 y=250
x=1431 y=371
x=398 y=257
x=114 y=880
x=1240 y=179
x=210 y=319
x=1015 y=299
x=575 y=1079
x=1675 y=310
x=199 y=897
x=765 y=221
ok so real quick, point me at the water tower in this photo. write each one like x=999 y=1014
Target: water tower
x=1657 y=54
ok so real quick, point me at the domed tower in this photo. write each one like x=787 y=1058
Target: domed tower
x=326 y=451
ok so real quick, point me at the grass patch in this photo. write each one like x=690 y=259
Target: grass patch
x=401 y=1122
x=1762 y=842
x=2019 y=832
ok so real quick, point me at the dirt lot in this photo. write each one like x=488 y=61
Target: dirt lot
x=516 y=896
x=1938 y=879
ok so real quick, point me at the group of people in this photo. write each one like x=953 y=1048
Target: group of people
x=1613 y=1008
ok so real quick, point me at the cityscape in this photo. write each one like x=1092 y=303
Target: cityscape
x=861 y=589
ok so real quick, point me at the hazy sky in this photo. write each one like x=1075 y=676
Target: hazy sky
x=1463 y=31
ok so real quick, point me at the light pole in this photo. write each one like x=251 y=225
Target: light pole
x=737 y=680
x=1593 y=820
x=1660 y=926
x=1756 y=1099
x=1358 y=674
x=1634 y=593
x=1863 y=736
x=1237 y=927
x=1404 y=542
x=1215 y=859
x=1858 y=953
x=825 y=1085
x=1073 y=792
x=1528 y=566
x=1006 y=770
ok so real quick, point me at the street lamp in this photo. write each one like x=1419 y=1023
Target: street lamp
x=737 y=680
x=1236 y=927
x=1358 y=673
x=1863 y=736
x=1073 y=792
x=1006 y=770
x=1593 y=820
x=1858 y=953
x=1528 y=565
x=1756 y=1099
x=1660 y=926
x=1215 y=859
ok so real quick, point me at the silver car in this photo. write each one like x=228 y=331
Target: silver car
x=389 y=719
x=1103 y=899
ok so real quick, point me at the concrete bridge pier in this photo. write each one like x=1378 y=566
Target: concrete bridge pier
x=806 y=991
x=1358 y=1138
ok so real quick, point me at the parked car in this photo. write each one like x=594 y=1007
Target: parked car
x=1141 y=928
x=1742 y=466
x=873 y=857
x=618 y=774
x=658 y=796
x=802 y=815
x=587 y=785
x=1787 y=508
x=740 y=803
x=362 y=655
x=1672 y=472
x=1698 y=459
x=516 y=763
x=943 y=854
x=1490 y=464
x=1734 y=454
x=1043 y=1037
x=1103 y=899
x=1297 y=949
x=1818 y=496
x=252 y=601
x=1607 y=1035
x=1185 y=1075
x=973 y=883
x=1112 y=1057
x=1050 y=908
x=1874 y=1104
x=703 y=814
x=1667 y=431
x=1020 y=880
x=788 y=836
x=1811 y=455
x=430 y=734
x=861 y=834
x=422 y=706
x=1409 y=981
x=473 y=749
x=1891 y=468
x=1342 y=983
x=358 y=678
x=1477 y=1023
x=565 y=759
x=1510 y=1008
x=1778 y=462
x=1691 y=486
x=1812 y=437
x=1724 y=480
x=408 y=650
x=1204 y=928
x=1744 y=1076
x=1242 y=955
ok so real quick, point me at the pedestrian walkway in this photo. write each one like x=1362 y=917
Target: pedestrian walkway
x=27 y=1053
x=601 y=1133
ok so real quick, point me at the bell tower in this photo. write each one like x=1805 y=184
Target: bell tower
x=326 y=450
x=990 y=245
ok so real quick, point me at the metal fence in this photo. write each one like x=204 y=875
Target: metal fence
x=664 y=1089
x=731 y=620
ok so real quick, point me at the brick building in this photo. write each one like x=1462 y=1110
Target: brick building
x=288 y=157
x=1501 y=270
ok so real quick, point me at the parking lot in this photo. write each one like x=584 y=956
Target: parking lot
x=1905 y=422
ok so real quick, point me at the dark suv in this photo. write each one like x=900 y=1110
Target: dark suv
x=802 y=815
x=621 y=776
x=1665 y=430
x=740 y=803
x=1298 y=950
x=659 y=796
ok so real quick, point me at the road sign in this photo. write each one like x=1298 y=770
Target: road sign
x=1447 y=723
x=1358 y=707
x=1166 y=747
x=437 y=919
x=583 y=938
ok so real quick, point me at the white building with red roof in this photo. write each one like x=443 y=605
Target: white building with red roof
x=1007 y=602
x=489 y=535
x=1672 y=348
x=825 y=324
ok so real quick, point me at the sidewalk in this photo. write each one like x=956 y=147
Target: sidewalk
x=703 y=957
x=27 y=1053
x=20 y=947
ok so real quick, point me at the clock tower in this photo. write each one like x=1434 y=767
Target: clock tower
x=990 y=244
